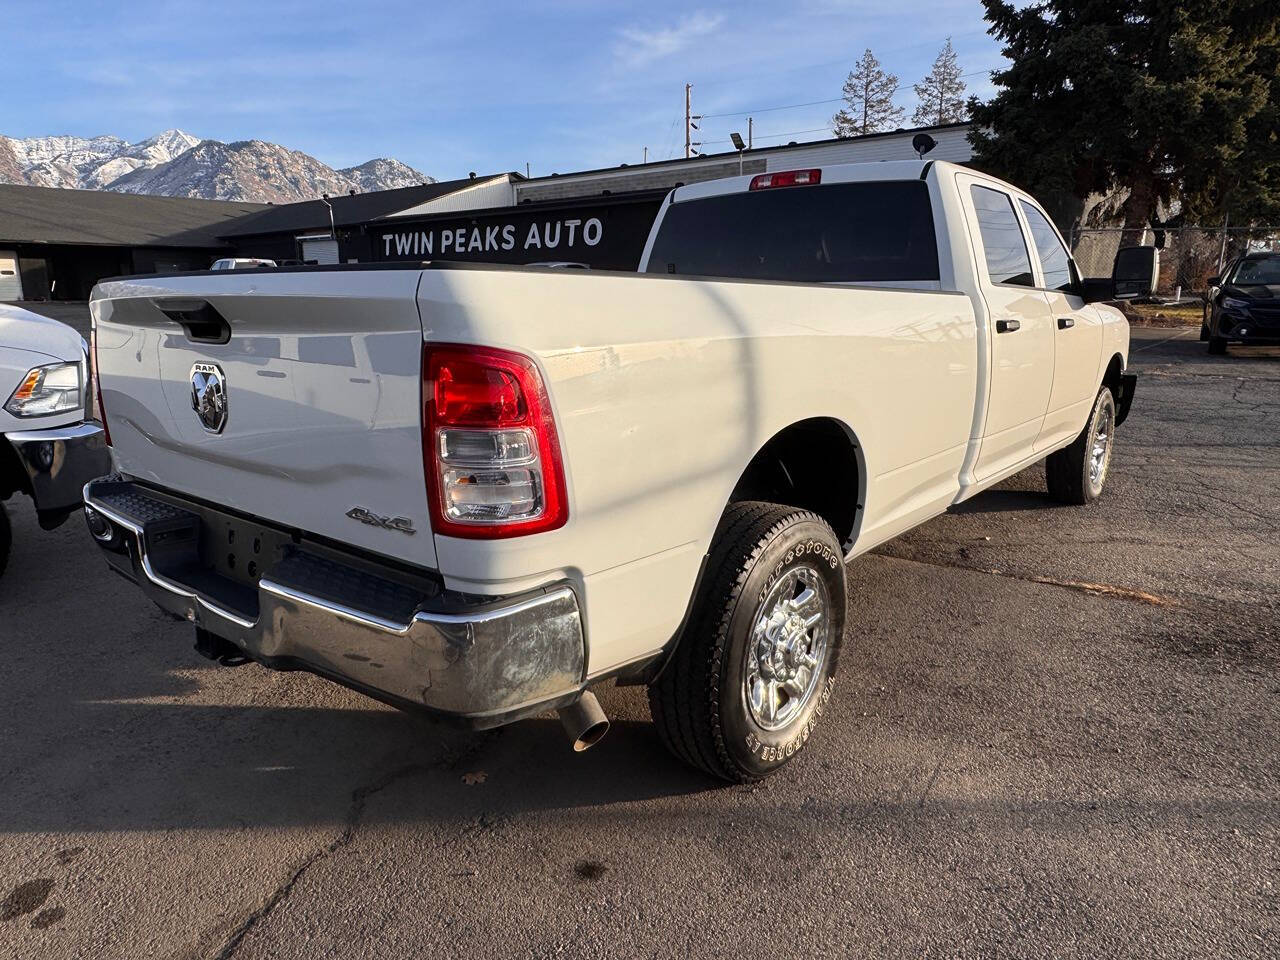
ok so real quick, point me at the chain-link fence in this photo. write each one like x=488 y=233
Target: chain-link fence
x=1189 y=256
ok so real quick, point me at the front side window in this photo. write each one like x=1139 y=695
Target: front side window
x=1002 y=240
x=1055 y=262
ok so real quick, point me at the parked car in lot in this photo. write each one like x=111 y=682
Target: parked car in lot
x=479 y=490
x=1243 y=305
x=241 y=263
x=47 y=449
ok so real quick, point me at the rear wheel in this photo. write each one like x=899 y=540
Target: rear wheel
x=6 y=539
x=1076 y=474
x=1217 y=346
x=754 y=669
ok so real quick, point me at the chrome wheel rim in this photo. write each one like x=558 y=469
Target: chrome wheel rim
x=1100 y=448
x=787 y=648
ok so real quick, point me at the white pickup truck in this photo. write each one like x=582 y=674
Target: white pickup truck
x=48 y=450
x=479 y=490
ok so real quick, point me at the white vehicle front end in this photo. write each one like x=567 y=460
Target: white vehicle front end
x=48 y=447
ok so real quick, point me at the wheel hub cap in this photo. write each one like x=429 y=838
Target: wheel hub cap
x=788 y=648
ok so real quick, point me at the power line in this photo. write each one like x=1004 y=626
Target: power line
x=774 y=136
x=835 y=63
x=811 y=103
x=789 y=106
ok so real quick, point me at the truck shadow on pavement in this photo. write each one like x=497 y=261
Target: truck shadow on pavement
x=1001 y=500
x=141 y=757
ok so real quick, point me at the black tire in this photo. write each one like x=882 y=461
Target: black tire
x=761 y=552
x=1068 y=471
x=6 y=539
x=1217 y=346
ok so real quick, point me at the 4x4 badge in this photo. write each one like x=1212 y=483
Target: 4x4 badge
x=402 y=524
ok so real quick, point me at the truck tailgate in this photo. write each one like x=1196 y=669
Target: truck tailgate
x=322 y=380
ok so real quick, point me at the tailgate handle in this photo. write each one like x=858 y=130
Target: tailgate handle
x=199 y=319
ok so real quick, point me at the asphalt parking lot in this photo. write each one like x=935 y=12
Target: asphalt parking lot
x=1055 y=733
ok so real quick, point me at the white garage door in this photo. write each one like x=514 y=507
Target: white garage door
x=321 y=251
x=10 y=279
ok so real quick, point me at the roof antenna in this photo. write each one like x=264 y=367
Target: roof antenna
x=922 y=143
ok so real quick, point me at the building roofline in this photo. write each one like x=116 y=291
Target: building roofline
x=530 y=206
x=61 y=191
x=243 y=227
x=746 y=154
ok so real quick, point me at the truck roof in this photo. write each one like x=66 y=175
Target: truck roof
x=831 y=173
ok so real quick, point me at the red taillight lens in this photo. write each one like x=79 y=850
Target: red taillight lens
x=467 y=392
x=99 y=412
x=490 y=449
x=786 y=178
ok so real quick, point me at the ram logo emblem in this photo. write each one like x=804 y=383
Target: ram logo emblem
x=209 y=395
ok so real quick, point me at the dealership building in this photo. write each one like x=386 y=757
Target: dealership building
x=55 y=244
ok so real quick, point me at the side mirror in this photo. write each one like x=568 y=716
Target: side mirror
x=1136 y=272
x=1214 y=281
x=1097 y=289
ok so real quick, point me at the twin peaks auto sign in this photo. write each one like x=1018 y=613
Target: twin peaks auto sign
x=603 y=236
x=573 y=232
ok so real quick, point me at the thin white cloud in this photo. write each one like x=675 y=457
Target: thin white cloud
x=639 y=46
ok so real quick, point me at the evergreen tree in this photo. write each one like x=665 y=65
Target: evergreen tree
x=1157 y=99
x=941 y=93
x=868 y=96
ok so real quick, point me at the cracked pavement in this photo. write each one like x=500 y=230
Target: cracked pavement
x=1011 y=766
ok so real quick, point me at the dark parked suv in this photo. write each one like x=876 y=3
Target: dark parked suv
x=1244 y=303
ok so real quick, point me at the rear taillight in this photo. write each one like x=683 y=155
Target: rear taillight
x=786 y=178
x=489 y=444
x=97 y=411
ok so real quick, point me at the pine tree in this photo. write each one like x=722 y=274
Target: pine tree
x=868 y=96
x=941 y=93
x=1160 y=100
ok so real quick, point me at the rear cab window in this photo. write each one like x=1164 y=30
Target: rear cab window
x=866 y=232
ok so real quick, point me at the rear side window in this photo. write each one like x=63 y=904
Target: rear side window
x=1054 y=261
x=842 y=232
x=1002 y=240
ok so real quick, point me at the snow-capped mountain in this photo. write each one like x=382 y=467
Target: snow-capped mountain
x=383 y=173
x=174 y=163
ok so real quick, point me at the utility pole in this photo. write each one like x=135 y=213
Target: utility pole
x=750 y=130
x=689 y=123
x=688 y=120
x=646 y=154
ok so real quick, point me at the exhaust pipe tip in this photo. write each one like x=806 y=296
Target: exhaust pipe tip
x=584 y=721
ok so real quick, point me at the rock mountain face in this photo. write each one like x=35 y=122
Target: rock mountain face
x=176 y=164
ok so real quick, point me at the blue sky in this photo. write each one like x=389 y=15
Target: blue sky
x=453 y=88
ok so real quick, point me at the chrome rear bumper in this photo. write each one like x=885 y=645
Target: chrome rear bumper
x=397 y=637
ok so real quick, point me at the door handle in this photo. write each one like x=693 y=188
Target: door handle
x=1008 y=326
x=1066 y=323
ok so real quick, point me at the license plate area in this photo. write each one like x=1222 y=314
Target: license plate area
x=240 y=550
